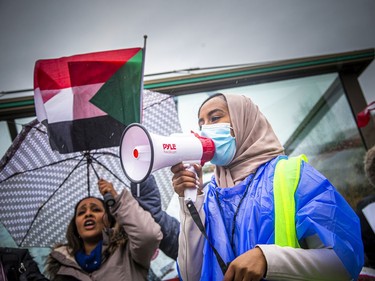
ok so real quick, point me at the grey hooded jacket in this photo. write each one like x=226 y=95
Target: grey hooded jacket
x=130 y=260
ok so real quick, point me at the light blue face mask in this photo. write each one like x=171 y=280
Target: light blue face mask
x=225 y=143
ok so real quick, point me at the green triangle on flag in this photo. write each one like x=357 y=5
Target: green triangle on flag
x=120 y=95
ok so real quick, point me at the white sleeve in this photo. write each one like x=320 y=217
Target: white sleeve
x=191 y=241
x=315 y=263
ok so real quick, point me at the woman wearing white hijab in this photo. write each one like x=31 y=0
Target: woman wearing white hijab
x=237 y=208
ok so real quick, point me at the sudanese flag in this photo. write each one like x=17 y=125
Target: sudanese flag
x=86 y=100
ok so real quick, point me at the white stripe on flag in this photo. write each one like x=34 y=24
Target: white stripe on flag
x=70 y=104
x=39 y=106
x=82 y=107
x=60 y=107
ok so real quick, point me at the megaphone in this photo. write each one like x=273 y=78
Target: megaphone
x=142 y=152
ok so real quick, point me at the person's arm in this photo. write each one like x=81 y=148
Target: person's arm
x=149 y=199
x=191 y=242
x=315 y=263
x=274 y=262
x=286 y=263
x=32 y=269
x=143 y=232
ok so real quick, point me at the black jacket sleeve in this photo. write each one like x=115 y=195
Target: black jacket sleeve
x=149 y=199
x=19 y=265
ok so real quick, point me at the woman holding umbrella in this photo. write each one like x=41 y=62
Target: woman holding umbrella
x=106 y=244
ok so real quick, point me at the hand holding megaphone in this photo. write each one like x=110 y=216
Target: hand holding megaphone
x=190 y=194
x=142 y=153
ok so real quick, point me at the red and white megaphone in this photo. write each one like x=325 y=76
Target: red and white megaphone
x=142 y=153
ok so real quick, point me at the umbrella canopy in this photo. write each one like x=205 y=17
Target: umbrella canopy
x=40 y=187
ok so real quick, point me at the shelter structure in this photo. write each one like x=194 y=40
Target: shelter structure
x=312 y=104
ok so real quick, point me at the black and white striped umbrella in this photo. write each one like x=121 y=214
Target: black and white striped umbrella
x=40 y=187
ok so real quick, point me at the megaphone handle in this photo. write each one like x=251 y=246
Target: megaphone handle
x=109 y=201
x=190 y=194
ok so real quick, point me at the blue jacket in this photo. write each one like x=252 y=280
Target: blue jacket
x=320 y=210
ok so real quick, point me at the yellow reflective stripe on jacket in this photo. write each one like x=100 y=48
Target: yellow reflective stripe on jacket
x=285 y=182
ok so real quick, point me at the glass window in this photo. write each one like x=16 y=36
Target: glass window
x=5 y=139
x=23 y=121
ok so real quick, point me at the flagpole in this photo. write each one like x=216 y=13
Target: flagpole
x=141 y=95
x=142 y=75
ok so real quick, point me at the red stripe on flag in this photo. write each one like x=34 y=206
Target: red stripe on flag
x=92 y=72
x=53 y=74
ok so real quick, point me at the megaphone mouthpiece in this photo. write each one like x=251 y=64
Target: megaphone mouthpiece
x=135 y=153
x=141 y=151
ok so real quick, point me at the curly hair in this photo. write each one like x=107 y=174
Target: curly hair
x=369 y=165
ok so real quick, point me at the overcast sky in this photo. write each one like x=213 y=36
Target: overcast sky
x=182 y=34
